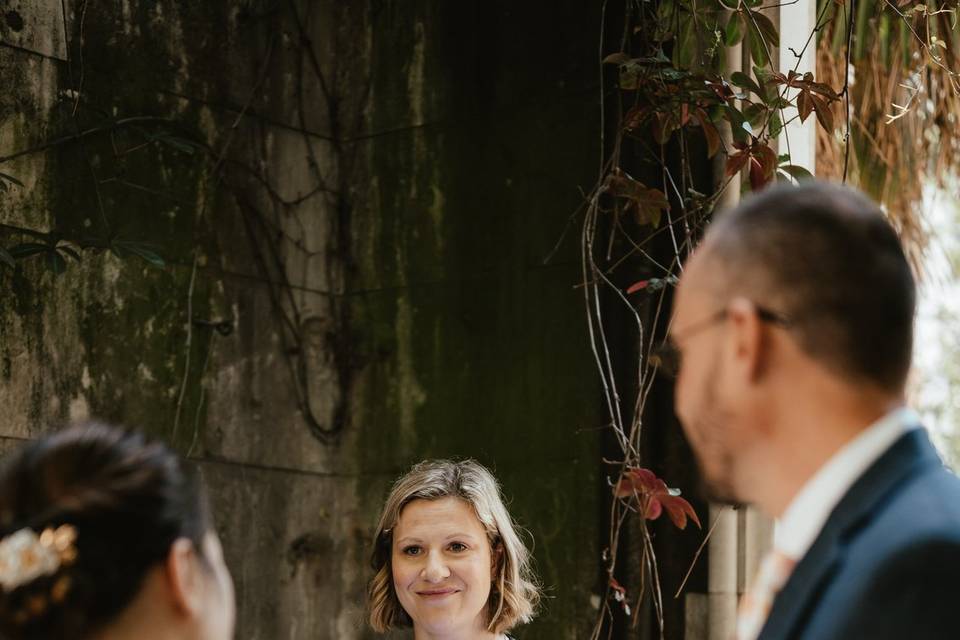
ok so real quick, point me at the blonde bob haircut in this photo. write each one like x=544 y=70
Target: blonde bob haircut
x=514 y=593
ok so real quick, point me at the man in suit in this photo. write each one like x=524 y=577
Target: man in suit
x=794 y=322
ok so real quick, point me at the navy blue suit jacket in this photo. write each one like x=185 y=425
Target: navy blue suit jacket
x=886 y=565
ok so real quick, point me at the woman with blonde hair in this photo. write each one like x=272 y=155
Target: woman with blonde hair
x=447 y=558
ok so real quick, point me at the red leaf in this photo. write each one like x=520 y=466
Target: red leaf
x=767 y=158
x=616 y=586
x=653 y=509
x=804 y=105
x=616 y=58
x=736 y=162
x=634 y=118
x=678 y=509
x=757 y=179
x=655 y=496
x=709 y=132
x=637 y=286
x=824 y=113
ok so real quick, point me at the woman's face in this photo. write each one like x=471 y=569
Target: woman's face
x=442 y=566
x=219 y=614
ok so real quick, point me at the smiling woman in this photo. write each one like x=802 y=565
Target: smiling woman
x=447 y=557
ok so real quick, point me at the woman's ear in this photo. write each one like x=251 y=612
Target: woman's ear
x=496 y=558
x=184 y=579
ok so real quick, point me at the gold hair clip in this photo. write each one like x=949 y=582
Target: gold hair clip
x=26 y=556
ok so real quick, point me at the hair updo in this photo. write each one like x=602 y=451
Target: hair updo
x=101 y=506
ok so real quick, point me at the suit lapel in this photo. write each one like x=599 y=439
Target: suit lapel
x=800 y=594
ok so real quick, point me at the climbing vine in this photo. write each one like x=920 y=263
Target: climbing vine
x=682 y=127
x=196 y=166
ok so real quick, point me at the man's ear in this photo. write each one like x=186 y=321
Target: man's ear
x=182 y=569
x=747 y=335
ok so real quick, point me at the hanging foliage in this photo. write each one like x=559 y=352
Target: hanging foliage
x=885 y=100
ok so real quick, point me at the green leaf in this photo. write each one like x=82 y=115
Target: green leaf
x=796 y=172
x=755 y=114
x=685 y=48
x=69 y=251
x=736 y=28
x=735 y=117
x=776 y=125
x=27 y=249
x=6 y=258
x=55 y=262
x=766 y=27
x=742 y=80
x=758 y=52
x=123 y=248
x=177 y=142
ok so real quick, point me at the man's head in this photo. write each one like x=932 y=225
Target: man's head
x=795 y=285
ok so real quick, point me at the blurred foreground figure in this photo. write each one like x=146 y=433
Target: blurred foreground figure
x=794 y=320
x=104 y=535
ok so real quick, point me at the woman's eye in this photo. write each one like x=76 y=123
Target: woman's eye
x=458 y=547
x=411 y=551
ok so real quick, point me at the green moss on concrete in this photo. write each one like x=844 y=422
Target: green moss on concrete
x=478 y=349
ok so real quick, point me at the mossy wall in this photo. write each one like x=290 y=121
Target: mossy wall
x=362 y=197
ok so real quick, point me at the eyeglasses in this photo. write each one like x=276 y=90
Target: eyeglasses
x=666 y=358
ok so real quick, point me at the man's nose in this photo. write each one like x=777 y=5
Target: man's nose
x=435 y=568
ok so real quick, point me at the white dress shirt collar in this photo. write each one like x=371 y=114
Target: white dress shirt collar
x=806 y=514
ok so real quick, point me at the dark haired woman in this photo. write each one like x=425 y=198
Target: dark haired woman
x=105 y=536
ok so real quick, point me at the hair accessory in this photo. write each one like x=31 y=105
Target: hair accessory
x=26 y=556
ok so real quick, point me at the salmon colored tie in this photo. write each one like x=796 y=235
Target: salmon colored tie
x=757 y=601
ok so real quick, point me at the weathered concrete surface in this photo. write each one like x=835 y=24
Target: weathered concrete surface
x=386 y=293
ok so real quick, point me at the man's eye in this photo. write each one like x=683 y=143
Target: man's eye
x=412 y=550
x=458 y=547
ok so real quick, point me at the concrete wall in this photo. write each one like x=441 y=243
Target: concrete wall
x=363 y=195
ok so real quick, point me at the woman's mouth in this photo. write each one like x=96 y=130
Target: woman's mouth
x=436 y=594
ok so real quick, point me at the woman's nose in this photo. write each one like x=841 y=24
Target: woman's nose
x=435 y=568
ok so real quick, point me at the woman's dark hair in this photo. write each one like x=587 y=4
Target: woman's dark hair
x=127 y=498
